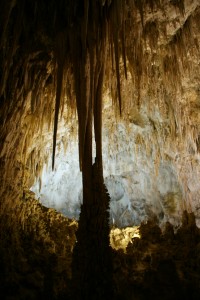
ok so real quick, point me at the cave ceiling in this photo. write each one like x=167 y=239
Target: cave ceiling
x=147 y=53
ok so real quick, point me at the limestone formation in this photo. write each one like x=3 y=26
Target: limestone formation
x=119 y=79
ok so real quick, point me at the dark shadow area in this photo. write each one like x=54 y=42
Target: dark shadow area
x=36 y=260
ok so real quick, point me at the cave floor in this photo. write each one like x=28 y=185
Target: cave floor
x=36 y=258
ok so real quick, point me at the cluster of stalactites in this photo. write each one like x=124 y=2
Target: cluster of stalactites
x=91 y=35
x=96 y=37
x=68 y=48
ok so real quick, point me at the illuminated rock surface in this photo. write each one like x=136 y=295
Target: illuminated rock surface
x=137 y=190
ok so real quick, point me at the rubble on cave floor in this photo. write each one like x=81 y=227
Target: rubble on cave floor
x=36 y=251
x=36 y=257
x=160 y=265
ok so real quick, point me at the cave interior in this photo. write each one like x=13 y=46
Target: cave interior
x=99 y=149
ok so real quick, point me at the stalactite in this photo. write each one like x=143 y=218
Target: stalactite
x=60 y=55
x=123 y=40
x=31 y=80
x=116 y=21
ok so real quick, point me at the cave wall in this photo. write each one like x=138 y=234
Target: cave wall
x=142 y=172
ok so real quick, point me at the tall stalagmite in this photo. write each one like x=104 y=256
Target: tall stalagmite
x=91 y=259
